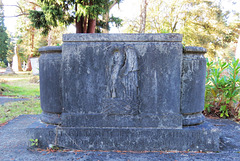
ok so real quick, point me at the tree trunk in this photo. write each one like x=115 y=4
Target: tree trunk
x=29 y=66
x=49 y=40
x=106 y=17
x=78 y=26
x=19 y=60
x=85 y=25
x=91 y=25
x=91 y=22
x=79 y=23
x=143 y=16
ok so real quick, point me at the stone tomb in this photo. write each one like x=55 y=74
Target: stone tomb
x=140 y=92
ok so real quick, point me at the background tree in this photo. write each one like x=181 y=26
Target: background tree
x=10 y=52
x=26 y=33
x=202 y=23
x=143 y=16
x=103 y=23
x=208 y=26
x=85 y=14
x=4 y=40
x=30 y=38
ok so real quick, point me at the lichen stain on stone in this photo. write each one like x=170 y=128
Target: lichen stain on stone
x=155 y=87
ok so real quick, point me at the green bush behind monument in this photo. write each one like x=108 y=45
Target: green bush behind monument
x=222 y=89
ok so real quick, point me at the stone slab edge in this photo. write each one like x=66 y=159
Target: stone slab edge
x=203 y=137
x=99 y=37
x=194 y=50
x=50 y=49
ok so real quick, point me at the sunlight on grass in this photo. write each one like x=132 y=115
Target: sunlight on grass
x=11 y=110
x=21 y=90
x=20 y=86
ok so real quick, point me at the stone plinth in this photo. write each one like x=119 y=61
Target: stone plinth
x=9 y=70
x=194 y=138
x=125 y=92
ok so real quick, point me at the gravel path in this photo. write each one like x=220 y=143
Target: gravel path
x=4 y=99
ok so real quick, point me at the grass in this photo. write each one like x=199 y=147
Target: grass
x=20 y=91
x=11 y=110
x=21 y=85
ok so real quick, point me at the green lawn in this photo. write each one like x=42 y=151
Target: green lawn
x=13 y=109
x=21 y=85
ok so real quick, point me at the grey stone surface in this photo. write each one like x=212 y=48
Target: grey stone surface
x=123 y=92
x=169 y=37
x=9 y=70
x=13 y=143
x=50 y=84
x=15 y=61
x=202 y=137
x=35 y=65
x=101 y=120
x=116 y=81
x=194 y=50
x=193 y=85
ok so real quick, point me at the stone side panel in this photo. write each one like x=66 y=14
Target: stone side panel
x=121 y=78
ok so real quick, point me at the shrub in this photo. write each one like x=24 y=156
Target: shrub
x=222 y=88
x=2 y=64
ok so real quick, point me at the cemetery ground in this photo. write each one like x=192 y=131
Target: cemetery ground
x=19 y=94
x=13 y=141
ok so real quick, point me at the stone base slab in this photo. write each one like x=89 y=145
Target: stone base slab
x=202 y=137
x=163 y=120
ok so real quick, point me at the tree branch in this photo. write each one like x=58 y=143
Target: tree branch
x=20 y=8
x=24 y=14
x=114 y=3
x=35 y=4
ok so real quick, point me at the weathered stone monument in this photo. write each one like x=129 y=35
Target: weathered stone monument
x=9 y=70
x=123 y=92
x=35 y=65
x=16 y=63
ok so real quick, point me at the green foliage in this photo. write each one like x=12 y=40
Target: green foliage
x=222 y=88
x=10 y=52
x=3 y=38
x=39 y=21
x=30 y=39
x=34 y=142
x=54 y=147
x=2 y=64
x=202 y=23
x=116 y=20
x=65 y=12
x=101 y=24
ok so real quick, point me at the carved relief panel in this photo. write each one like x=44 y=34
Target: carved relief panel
x=122 y=87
